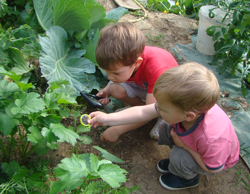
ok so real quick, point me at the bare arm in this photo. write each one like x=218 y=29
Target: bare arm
x=178 y=142
x=128 y=116
x=150 y=99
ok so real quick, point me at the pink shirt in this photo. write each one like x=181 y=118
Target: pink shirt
x=155 y=62
x=214 y=138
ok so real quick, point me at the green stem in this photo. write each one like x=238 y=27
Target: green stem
x=164 y=6
x=29 y=152
x=25 y=186
x=6 y=187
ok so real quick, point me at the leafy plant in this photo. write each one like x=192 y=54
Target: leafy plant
x=32 y=118
x=21 y=180
x=232 y=41
x=80 y=174
x=189 y=8
x=73 y=31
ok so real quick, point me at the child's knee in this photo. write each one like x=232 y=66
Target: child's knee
x=117 y=91
x=164 y=134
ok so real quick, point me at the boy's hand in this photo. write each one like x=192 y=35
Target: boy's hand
x=178 y=142
x=110 y=135
x=104 y=94
x=97 y=119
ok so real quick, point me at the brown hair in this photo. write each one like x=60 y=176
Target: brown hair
x=120 y=43
x=190 y=86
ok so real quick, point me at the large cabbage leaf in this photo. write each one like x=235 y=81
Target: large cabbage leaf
x=44 y=13
x=72 y=15
x=57 y=62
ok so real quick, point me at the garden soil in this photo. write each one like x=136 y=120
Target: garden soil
x=139 y=152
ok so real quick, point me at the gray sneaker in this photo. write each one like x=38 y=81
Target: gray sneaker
x=154 y=133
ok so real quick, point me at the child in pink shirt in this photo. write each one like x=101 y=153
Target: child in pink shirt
x=201 y=135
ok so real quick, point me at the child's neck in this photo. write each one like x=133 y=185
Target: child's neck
x=189 y=124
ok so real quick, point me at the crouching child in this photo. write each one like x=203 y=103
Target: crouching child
x=201 y=136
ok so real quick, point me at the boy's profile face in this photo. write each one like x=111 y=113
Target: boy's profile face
x=120 y=73
x=170 y=113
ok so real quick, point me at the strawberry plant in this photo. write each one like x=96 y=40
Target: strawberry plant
x=36 y=120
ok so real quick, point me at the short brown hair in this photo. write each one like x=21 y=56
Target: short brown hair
x=121 y=42
x=190 y=87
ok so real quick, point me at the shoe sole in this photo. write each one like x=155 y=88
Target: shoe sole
x=175 y=189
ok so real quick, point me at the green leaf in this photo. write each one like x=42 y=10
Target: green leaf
x=24 y=86
x=57 y=84
x=34 y=180
x=35 y=135
x=217 y=35
x=108 y=156
x=86 y=159
x=90 y=47
x=71 y=15
x=44 y=13
x=10 y=168
x=28 y=103
x=20 y=64
x=55 y=62
x=7 y=89
x=4 y=42
x=45 y=120
x=60 y=186
x=69 y=90
x=7 y=123
x=64 y=134
x=211 y=30
x=116 y=14
x=3 y=8
x=96 y=11
x=5 y=59
x=236 y=17
x=20 y=175
x=64 y=98
x=64 y=113
x=71 y=169
x=112 y=174
x=47 y=133
x=83 y=129
x=50 y=101
x=94 y=162
x=188 y=4
x=85 y=139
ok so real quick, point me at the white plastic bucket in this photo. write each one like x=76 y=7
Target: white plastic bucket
x=204 y=43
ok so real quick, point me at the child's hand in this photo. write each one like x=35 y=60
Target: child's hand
x=104 y=94
x=97 y=119
x=178 y=142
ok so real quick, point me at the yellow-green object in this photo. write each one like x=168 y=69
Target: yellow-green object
x=84 y=119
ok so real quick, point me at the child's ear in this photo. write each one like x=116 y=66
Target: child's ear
x=190 y=115
x=138 y=62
